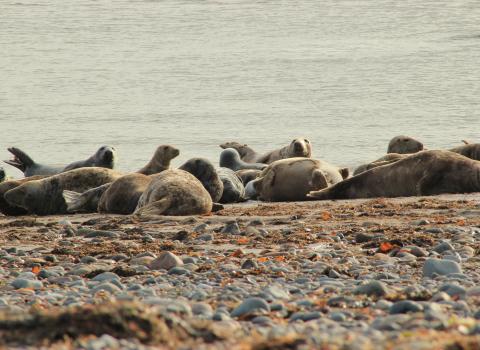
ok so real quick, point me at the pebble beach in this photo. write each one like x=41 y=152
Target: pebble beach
x=364 y=274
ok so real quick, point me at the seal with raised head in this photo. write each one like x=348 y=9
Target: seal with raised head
x=233 y=189
x=5 y=207
x=206 y=173
x=299 y=147
x=424 y=173
x=230 y=158
x=469 y=150
x=160 y=160
x=404 y=144
x=292 y=179
x=104 y=157
x=45 y=196
x=174 y=192
x=387 y=159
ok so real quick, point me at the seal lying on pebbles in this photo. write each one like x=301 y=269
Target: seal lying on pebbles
x=233 y=189
x=160 y=160
x=421 y=174
x=174 y=192
x=404 y=144
x=291 y=179
x=248 y=175
x=104 y=157
x=204 y=171
x=299 y=147
x=5 y=207
x=44 y=196
x=471 y=150
x=387 y=159
x=230 y=158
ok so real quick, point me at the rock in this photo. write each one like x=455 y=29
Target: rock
x=178 y=270
x=305 y=316
x=166 y=261
x=442 y=247
x=202 y=309
x=249 y=264
x=421 y=222
x=453 y=290
x=107 y=286
x=231 y=228
x=200 y=228
x=88 y=259
x=106 y=276
x=207 y=237
x=334 y=274
x=276 y=292
x=405 y=306
x=417 y=251
x=338 y=316
x=250 y=306
x=372 y=288
x=26 y=283
x=363 y=237
x=440 y=267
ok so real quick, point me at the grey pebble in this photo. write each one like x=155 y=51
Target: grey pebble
x=440 y=267
x=231 y=228
x=305 y=316
x=26 y=283
x=249 y=306
x=166 y=261
x=405 y=306
x=442 y=247
x=372 y=288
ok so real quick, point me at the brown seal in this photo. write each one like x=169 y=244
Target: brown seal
x=291 y=179
x=160 y=160
x=424 y=173
x=387 y=159
x=247 y=175
x=404 y=144
x=174 y=192
x=44 y=196
x=469 y=150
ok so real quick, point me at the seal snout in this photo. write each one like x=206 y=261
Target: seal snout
x=108 y=155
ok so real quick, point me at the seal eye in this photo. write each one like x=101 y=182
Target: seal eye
x=306 y=140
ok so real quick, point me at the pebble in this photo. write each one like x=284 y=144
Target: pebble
x=231 y=228
x=305 y=316
x=440 y=267
x=249 y=306
x=249 y=264
x=109 y=287
x=166 y=261
x=26 y=283
x=442 y=247
x=372 y=288
x=405 y=306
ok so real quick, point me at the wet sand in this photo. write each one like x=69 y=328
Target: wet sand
x=321 y=274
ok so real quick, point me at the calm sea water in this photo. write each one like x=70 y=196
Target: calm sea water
x=349 y=75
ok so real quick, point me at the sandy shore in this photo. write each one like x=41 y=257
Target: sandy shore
x=367 y=274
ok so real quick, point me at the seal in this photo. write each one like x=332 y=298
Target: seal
x=404 y=144
x=247 y=154
x=104 y=157
x=205 y=172
x=248 y=175
x=424 y=173
x=233 y=189
x=230 y=158
x=469 y=150
x=293 y=178
x=86 y=202
x=5 y=207
x=174 y=192
x=387 y=159
x=160 y=160
x=299 y=147
x=44 y=196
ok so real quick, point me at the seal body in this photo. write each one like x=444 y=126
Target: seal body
x=104 y=157
x=233 y=189
x=174 y=192
x=292 y=179
x=424 y=173
x=471 y=150
x=247 y=175
x=45 y=196
x=206 y=173
x=160 y=160
x=5 y=207
x=404 y=144
x=122 y=196
x=387 y=159
x=230 y=158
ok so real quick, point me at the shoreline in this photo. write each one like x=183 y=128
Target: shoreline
x=338 y=274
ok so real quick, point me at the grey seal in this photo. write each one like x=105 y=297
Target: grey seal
x=174 y=192
x=206 y=173
x=404 y=144
x=104 y=157
x=233 y=189
x=293 y=178
x=424 y=173
x=230 y=158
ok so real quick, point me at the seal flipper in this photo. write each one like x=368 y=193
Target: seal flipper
x=318 y=181
x=154 y=208
x=21 y=161
x=74 y=201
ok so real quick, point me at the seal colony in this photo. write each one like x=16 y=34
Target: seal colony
x=288 y=173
